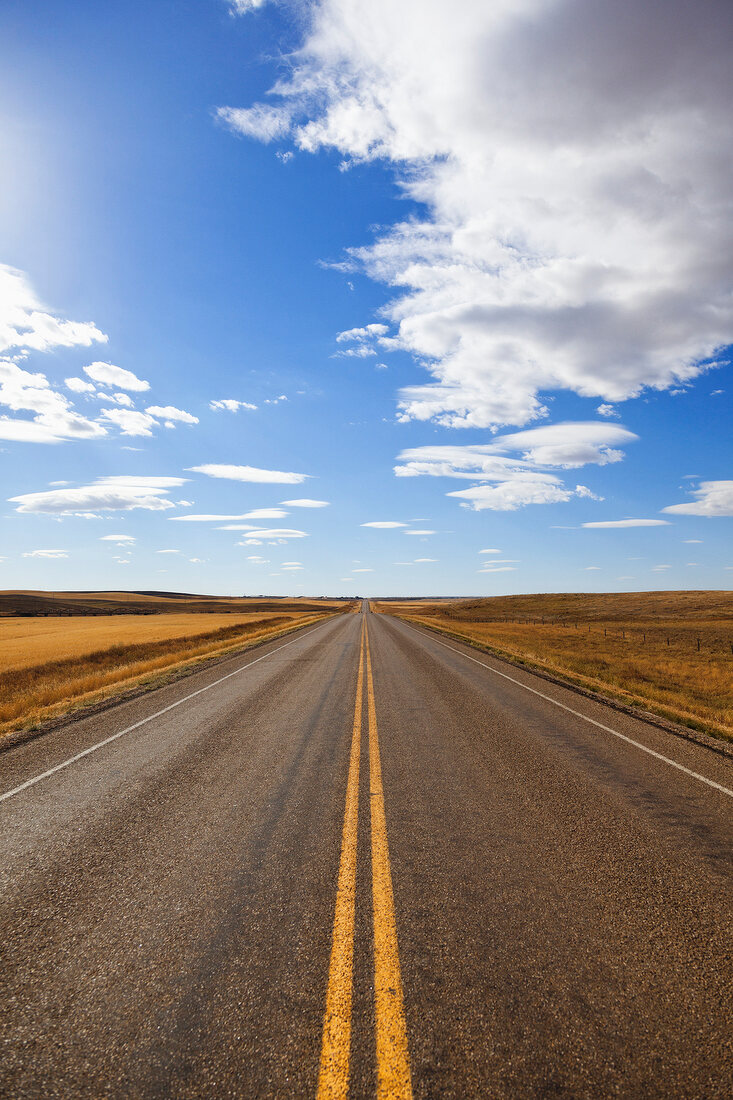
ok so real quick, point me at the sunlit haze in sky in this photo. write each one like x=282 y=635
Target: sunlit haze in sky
x=397 y=297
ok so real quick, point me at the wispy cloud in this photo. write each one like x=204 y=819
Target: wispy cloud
x=305 y=502
x=106 y=494
x=712 y=498
x=628 y=523
x=230 y=404
x=248 y=473
x=46 y=554
x=383 y=524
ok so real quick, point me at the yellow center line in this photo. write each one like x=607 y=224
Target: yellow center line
x=393 y=1059
x=333 y=1078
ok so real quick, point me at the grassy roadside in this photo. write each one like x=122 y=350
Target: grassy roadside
x=37 y=694
x=628 y=660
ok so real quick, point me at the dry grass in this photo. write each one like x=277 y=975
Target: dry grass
x=639 y=648
x=51 y=666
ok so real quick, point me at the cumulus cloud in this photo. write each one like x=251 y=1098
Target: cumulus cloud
x=26 y=323
x=573 y=159
x=78 y=385
x=129 y=421
x=305 y=502
x=368 y=332
x=231 y=405
x=628 y=523
x=53 y=419
x=170 y=414
x=106 y=494
x=713 y=498
x=248 y=473
x=106 y=374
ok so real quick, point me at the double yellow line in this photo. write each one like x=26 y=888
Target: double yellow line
x=393 y=1061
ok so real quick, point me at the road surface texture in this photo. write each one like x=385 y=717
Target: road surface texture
x=364 y=861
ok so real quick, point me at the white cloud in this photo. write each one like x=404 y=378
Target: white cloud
x=106 y=374
x=591 y=568
x=491 y=551
x=305 y=502
x=118 y=538
x=418 y=560
x=167 y=551
x=521 y=489
x=206 y=518
x=383 y=524
x=660 y=568
x=240 y=527
x=364 y=570
x=54 y=418
x=276 y=533
x=628 y=523
x=712 y=498
x=499 y=569
x=129 y=421
x=265 y=513
x=607 y=410
x=420 y=532
x=574 y=160
x=170 y=412
x=123 y=399
x=696 y=541
x=26 y=323
x=262 y=122
x=197 y=561
x=46 y=554
x=241 y=7
x=78 y=385
x=368 y=332
x=292 y=568
x=249 y=473
x=519 y=481
x=106 y=494
x=231 y=405
x=359 y=352
x=567 y=445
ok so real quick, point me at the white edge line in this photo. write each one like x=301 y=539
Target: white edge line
x=150 y=718
x=577 y=713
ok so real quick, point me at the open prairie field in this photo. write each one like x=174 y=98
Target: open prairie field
x=668 y=652
x=50 y=663
x=148 y=603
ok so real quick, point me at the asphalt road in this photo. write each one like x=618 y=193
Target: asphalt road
x=365 y=858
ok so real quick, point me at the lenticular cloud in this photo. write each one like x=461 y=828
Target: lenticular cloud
x=573 y=161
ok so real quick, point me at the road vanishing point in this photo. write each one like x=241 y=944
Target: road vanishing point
x=364 y=861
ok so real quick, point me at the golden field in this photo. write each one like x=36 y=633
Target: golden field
x=641 y=649
x=53 y=663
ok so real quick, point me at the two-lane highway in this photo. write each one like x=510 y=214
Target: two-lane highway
x=366 y=861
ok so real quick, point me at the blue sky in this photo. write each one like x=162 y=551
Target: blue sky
x=467 y=249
